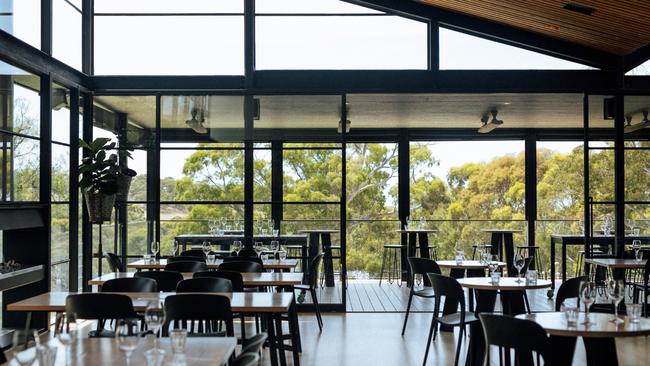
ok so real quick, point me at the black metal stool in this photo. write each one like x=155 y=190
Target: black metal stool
x=475 y=247
x=432 y=252
x=392 y=252
x=523 y=250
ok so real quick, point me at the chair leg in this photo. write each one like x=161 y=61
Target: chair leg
x=317 y=306
x=408 y=309
x=430 y=339
x=526 y=301
x=243 y=327
x=460 y=339
x=383 y=264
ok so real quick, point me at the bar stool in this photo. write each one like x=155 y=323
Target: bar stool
x=523 y=251
x=392 y=252
x=432 y=252
x=580 y=260
x=475 y=247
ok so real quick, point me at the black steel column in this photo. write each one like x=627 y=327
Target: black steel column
x=73 y=192
x=276 y=183
x=249 y=109
x=153 y=179
x=45 y=168
x=344 y=198
x=531 y=190
x=121 y=207
x=87 y=228
x=87 y=35
x=46 y=26
x=434 y=46
x=619 y=176
x=403 y=189
x=585 y=161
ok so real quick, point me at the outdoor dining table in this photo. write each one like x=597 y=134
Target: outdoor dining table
x=413 y=238
x=251 y=279
x=512 y=300
x=105 y=351
x=473 y=268
x=502 y=244
x=271 y=305
x=598 y=337
x=273 y=264
x=320 y=240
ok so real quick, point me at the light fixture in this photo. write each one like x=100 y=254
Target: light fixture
x=629 y=127
x=198 y=112
x=489 y=125
x=347 y=126
x=59 y=99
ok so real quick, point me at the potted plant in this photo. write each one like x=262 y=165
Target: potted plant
x=98 y=179
x=124 y=177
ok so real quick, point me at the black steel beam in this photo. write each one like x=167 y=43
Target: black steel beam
x=46 y=26
x=87 y=36
x=154 y=182
x=113 y=84
x=249 y=165
x=344 y=200
x=403 y=184
x=585 y=177
x=531 y=186
x=249 y=42
x=87 y=228
x=73 y=192
x=45 y=169
x=619 y=176
x=496 y=32
x=636 y=58
x=23 y=55
x=277 y=178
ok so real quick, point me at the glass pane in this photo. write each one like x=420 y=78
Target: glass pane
x=60 y=173
x=66 y=33
x=22 y=19
x=262 y=176
x=312 y=6
x=642 y=70
x=137 y=229
x=61 y=115
x=560 y=180
x=637 y=217
x=60 y=250
x=23 y=101
x=169 y=45
x=601 y=175
x=312 y=175
x=203 y=175
x=21 y=161
x=637 y=173
x=138 y=190
x=169 y=6
x=458 y=51
x=340 y=42
x=205 y=118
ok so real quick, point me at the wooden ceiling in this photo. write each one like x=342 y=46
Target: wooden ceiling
x=616 y=26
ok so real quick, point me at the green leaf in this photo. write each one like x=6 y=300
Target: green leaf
x=98 y=143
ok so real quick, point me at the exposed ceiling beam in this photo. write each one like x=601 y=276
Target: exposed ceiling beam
x=497 y=32
x=636 y=58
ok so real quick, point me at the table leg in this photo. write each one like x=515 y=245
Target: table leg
x=551 y=291
x=563 y=262
x=403 y=252
x=270 y=329
x=423 y=241
x=495 y=248
x=326 y=243
x=513 y=304
x=485 y=301
x=279 y=338
x=412 y=250
x=601 y=351
x=563 y=350
x=508 y=248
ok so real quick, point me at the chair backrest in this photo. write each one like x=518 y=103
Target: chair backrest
x=422 y=266
x=247 y=359
x=95 y=306
x=166 y=280
x=312 y=279
x=568 y=290
x=522 y=335
x=247 y=252
x=185 y=258
x=255 y=343
x=198 y=312
x=241 y=266
x=204 y=284
x=193 y=253
x=186 y=266
x=449 y=288
x=235 y=278
x=133 y=284
x=239 y=259
x=114 y=262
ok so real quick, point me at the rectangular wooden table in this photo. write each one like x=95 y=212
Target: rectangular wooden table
x=272 y=305
x=226 y=240
x=105 y=351
x=287 y=264
x=617 y=263
x=250 y=278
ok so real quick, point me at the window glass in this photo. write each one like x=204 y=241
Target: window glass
x=60 y=173
x=312 y=175
x=66 y=33
x=22 y=19
x=21 y=160
x=312 y=6
x=169 y=6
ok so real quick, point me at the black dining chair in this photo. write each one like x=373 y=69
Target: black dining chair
x=114 y=262
x=166 y=280
x=312 y=282
x=236 y=279
x=240 y=258
x=185 y=258
x=204 y=284
x=199 y=314
x=524 y=336
x=246 y=359
x=643 y=287
x=186 y=266
x=100 y=307
x=568 y=290
x=193 y=253
x=451 y=290
x=133 y=284
x=419 y=266
x=241 y=266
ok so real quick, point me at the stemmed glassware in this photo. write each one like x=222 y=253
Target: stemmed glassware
x=22 y=353
x=127 y=336
x=493 y=264
x=282 y=254
x=636 y=246
x=519 y=261
x=155 y=248
x=66 y=332
x=258 y=248
x=237 y=245
x=154 y=316
x=175 y=248
x=616 y=292
x=206 y=248
x=587 y=296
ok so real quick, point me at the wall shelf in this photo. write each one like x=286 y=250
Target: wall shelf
x=21 y=277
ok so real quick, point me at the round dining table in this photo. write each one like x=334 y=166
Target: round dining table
x=513 y=301
x=598 y=336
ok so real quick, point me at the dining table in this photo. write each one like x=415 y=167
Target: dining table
x=251 y=279
x=271 y=305
x=158 y=264
x=411 y=239
x=598 y=336
x=513 y=302
x=502 y=245
x=320 y=241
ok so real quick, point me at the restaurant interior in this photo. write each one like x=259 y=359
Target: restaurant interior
x=355 y=182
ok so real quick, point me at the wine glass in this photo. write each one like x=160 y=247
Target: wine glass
x=237 y=245
x=206 y=248
x=22 y=352
x=616 y=291
x=155 y=248
x=275 y=245
x=175 y=248
x=154 y=316
x=636 y=245
x=66 y=332
x=127 y=336
x=258 y=247
x=519 y=262
x=282 y=254
x=588 y=297
x=493 y=264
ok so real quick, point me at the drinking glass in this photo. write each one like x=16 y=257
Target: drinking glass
x=587 y=293
x=66 y=333
x=493 y=264
x=258 y=247
x=178 y=339
x=283 y=255
x=616 y=292
x=519 y=263
x=155 y=247
x=211 y=258
x=571 y=313
x=154 y=316
x=636 y=231
x=275 y=245
x=127 y=335
x=237 y=245
x=634 y=312
x=22 y=352
x=175 y=248
x=276 y=233
x=636 y=245
x=206 y=248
